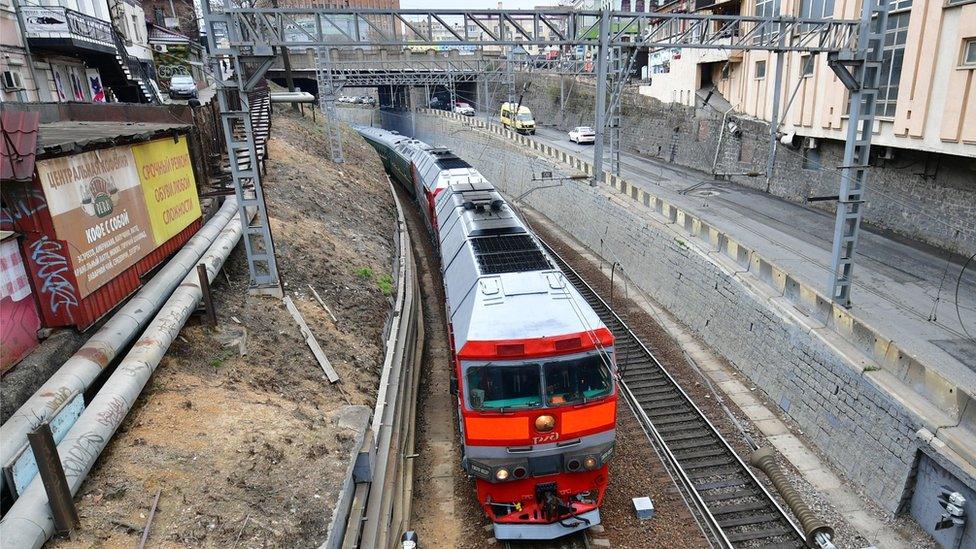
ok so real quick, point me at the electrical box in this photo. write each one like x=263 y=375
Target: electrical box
x=644 y=508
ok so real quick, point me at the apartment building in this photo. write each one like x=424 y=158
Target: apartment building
x=82 y=50
x=927 y=99
x=923 y=156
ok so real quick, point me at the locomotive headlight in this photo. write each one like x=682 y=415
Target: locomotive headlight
x=501 y=473
x=545 y=423
x=590 y=462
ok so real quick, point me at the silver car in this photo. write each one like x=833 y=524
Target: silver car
x=182 y=85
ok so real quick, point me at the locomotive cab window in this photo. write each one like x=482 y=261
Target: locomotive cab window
x=577 y=380
x=503 y=388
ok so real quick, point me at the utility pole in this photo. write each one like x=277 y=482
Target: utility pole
x=601 y=97
x=286 y=61
x=777 y=91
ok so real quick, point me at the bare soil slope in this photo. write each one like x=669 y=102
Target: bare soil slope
x=245 y=450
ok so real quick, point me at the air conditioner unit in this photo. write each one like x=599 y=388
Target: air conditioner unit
x=159 y=47
x=12 y=81
x=812 y=143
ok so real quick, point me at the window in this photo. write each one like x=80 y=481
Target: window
x=577 y=380
x=764 y=8
x=501 y=388
x=893 y=56
x=806 y=65
x=760 y=69
x=816 y=9
x=969 y=53
x=504 y=387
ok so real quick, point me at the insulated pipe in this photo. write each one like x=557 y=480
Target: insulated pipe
x=28 y=523
x=817 y=532
x=87 y=363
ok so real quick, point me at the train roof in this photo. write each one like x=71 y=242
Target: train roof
x=500 y=283
x=390 y=138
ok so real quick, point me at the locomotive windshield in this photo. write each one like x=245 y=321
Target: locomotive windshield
x=501 y=387
x=577 y=380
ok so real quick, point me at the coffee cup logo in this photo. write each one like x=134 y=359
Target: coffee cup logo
x=98 y=197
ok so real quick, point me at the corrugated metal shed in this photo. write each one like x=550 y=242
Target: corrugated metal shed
x=59 y=138
x=19 y=144
x=26 y=209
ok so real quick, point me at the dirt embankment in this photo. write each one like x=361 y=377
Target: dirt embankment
x=245 y=450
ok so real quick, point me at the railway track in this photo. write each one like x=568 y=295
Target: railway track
x=733 y=508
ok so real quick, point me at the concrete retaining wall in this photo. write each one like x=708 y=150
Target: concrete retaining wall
x=728 y=295
x=927 y=197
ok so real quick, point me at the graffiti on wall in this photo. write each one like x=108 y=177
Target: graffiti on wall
x=52 y=266
x=175 y=60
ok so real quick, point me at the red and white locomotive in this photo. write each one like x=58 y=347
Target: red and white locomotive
x=533 y=362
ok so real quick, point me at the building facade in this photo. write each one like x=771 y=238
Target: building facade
x=82 y=50
x=927 y=99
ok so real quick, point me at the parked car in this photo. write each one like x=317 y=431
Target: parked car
x=463 y=108
x=182 y=85
x=582 y=134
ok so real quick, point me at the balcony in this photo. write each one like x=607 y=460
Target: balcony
x=60 y=29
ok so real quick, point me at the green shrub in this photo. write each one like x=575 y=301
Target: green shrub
x=385 y=284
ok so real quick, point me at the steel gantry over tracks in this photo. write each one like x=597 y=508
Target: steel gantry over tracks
x=247 y=39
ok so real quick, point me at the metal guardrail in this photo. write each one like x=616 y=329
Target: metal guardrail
x=375 y=510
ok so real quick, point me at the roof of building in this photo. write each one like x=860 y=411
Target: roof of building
x=19 y=144
x=162 y=35
x=58 y=138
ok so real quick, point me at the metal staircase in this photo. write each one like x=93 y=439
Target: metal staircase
x=329 y=86
x=135 y=73
x=621 y=65
x=860 y=72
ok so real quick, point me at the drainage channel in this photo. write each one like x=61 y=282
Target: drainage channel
x=732 y=506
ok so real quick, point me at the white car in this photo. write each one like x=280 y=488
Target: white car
x=582 y=134
x=463 y=108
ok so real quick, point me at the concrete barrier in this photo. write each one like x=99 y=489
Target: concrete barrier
x=374 y=505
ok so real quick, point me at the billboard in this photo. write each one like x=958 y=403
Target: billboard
x=44 y=20
x=167 y=182
x=114 y=206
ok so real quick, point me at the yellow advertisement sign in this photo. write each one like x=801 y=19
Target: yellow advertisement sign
x=170 y=190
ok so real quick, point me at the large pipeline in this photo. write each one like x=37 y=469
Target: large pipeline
x=101 y=349
x=818 y=533
x=28 y=523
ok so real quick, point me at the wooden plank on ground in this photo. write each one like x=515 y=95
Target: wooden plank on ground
x=310 y=340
